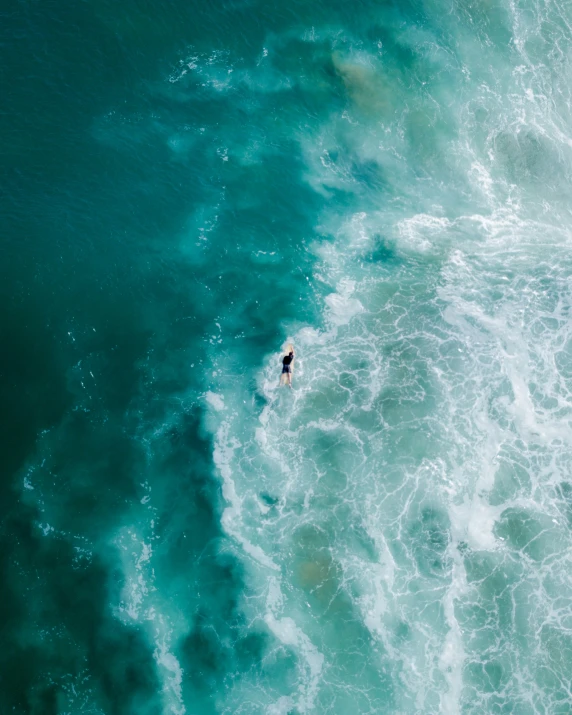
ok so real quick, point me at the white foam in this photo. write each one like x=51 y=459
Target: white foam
x=287 y=632
x=473 y=522
x=310 y=336
x=453 y=657
x=342 y=307
x=171 y=667
x=422 y=232
x=231 y=519
x=215 y=401
x=283 y=706
x=142 y=602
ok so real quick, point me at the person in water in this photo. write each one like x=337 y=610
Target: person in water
x=287 y=366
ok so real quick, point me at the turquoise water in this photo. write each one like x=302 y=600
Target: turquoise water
x=188 y=187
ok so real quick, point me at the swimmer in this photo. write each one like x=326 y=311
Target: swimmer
x=287 y=367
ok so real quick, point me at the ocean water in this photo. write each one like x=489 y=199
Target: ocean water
x=188 y=187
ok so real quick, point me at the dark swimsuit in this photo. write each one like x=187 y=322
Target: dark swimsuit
x=286 y=363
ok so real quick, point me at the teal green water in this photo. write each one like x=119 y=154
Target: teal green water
x=188 y=187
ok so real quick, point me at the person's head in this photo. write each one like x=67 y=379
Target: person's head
x=291 y=353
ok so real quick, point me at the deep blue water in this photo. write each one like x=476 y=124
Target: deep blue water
x=188 y=188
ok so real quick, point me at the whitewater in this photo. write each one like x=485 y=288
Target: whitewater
x=404 y=515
